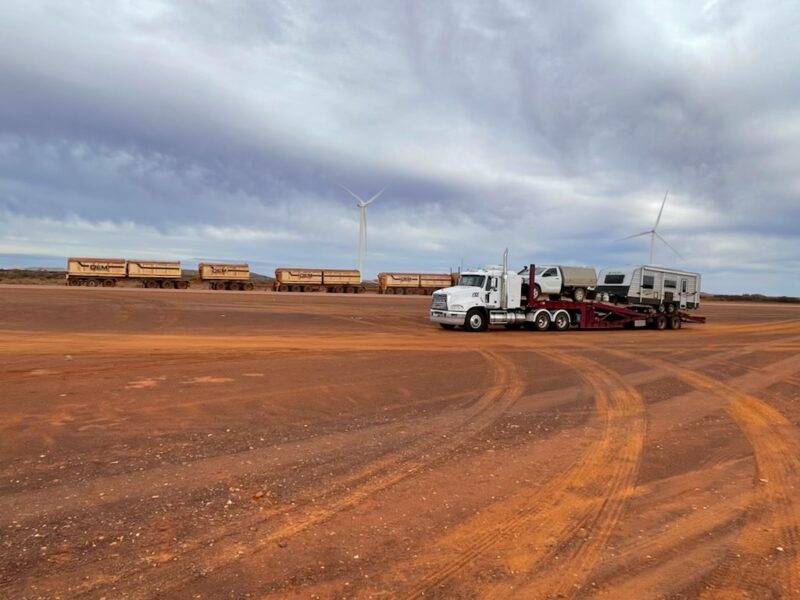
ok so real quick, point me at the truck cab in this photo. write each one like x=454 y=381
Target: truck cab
x=478 y=293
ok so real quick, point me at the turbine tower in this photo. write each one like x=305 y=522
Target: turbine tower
x=653 y=233
x=362 y=225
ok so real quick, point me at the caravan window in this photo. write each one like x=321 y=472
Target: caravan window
x=670 y=283
x=648 y=281
x=683 y=286
x=614 y=279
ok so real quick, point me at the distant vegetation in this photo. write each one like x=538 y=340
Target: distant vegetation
x=750 y=298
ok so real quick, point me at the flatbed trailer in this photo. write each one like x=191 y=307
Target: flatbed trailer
x=566 y=314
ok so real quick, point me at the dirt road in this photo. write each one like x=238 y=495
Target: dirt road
x=214 y=445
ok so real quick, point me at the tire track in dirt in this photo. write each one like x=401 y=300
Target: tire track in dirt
x=587 y=498
x=349 y=491
x=767 y=551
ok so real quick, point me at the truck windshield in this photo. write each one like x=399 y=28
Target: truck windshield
x=472 y=280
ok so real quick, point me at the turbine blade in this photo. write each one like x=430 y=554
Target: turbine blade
x=669 y=245
x=349 y=191
x=375 y=197
x=635 y=235
x=658 y=219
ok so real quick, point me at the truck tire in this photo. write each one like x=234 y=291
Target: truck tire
x=541 y=321
x=109 y=282
x=660 y=322
x=579 y=294
x=674 y=322
x=670 y=309
x=92 y=282
x=167 y=285
x=249 y=287
x=182 y=285
x=476 y=320
x=537 y=291
x=661 y=309
x=561 y=321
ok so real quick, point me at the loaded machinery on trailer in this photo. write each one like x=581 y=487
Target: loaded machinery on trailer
x=496 y=296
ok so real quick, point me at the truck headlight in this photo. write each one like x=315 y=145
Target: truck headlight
x=457 y=307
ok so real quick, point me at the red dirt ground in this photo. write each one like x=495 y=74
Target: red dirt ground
x=163 y=444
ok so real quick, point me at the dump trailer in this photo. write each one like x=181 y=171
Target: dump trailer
x=95 y=272
x=494 y=296
x=412 y=283
x=165 y=274
x=225 y=276
x=290 y=279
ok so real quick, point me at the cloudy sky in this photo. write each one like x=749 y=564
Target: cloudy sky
x=223 y=130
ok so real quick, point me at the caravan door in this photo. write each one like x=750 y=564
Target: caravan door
x=683 y=294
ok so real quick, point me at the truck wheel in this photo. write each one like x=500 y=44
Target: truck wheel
x=660 y=322
x=542 y=321
x=476 y=320
x=109 y=283
x=561 y=322
x=249 y=287
x=167 y=285
x=92 y=283
x=236 y=287
x=537 y=291
x=219 y=285
x=307 y=288
x=446 y=326
x=660 y=308
x=579 y=295
x=674 y=322
x=670 y=309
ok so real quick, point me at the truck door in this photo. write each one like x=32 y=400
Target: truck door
x=551 y=281
x=492 y=292
x=683 y=295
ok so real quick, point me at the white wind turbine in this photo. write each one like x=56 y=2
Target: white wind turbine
x=362 y=225
x=653 y=233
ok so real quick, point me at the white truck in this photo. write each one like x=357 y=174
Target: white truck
x=494 y=296
x=556 y=281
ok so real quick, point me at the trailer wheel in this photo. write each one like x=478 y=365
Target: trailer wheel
x=92 y=282
x=579 y=294
x=660 y=309
x=561 y=322
x=660 y=322
x=541 y=321
x=167 y=285
x=446 y=326
x=476 y=320
x=674 y=322
x=109 y=283
x=307 y=288
x=537 y=291
x=670 y=309
x=218 y=285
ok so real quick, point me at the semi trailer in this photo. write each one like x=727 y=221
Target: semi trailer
x=225 y=276
x=289 y=279
x=413 y=283
x=107 y=272
x=494 y=296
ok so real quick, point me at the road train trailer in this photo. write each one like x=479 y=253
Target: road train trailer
x=495 y=296
x=225 y=276
x=289 y=279
x=107 y=272
x=414 y=283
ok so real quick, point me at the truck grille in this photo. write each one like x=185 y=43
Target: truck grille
x=439 y=302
